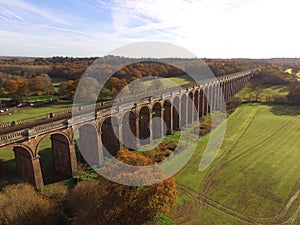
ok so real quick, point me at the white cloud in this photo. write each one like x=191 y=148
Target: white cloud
x=208 y=28
x=220 y=28
x=29 y=8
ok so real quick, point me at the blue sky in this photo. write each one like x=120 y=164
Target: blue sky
x=208 y=28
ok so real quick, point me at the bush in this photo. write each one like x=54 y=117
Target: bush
x=280 y=99
x=107 y=202
x=294 y=94
x=270 y=77
x=21 y=204
x=56 y=192
x=233 y=103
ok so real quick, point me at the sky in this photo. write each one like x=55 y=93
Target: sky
x=207 y=28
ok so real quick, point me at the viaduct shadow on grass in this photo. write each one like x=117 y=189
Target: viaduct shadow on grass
x=285 y=110
x=50 y=175
x=8 y=173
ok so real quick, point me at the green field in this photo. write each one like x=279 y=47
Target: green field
x=56 y=83
x=255 y=178
x=262 y=93
x=21 y=114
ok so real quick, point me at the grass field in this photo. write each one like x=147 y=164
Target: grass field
x=32 y=112
x=21 y=114
x=255 y=178
x=262 y=92
x=56 y=83
x=175 y=81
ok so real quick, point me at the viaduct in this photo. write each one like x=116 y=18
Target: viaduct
x=96 y=126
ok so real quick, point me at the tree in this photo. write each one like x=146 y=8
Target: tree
x=106 y=202
x=88 y=90
x=1 y=84
x=67 y=89
x=16 y=88
x=115 y=84
x=21 y=204
x=271 y=77
x=41 y=83
x=294 y=94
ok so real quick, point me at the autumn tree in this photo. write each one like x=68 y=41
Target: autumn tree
x=67 y=89
x=294 y=94
x=271 y=76
x=21 y=204
x=41 y=83
x=16 y=88
x=1 y=84
x=115 y=84
x=107 y=202
x=87 y=90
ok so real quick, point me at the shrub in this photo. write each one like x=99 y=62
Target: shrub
x=56 y=192
x=294 y=94
x=21 y=204
x=106 y=202
x=271 y=77
x=281 y=99
x=233 y=103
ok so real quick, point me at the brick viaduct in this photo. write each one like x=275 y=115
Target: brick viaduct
x=174 y=107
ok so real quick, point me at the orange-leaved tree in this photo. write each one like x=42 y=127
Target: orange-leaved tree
x=107 y=202
x=16 y=88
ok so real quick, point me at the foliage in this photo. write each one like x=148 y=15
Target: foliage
x=67 y=89
x=271 y=76
x=106 y=202
x=294 y=94
x=87 y=90
x=41 y=83
x=16 y=88
x=233 y=103
x=21 y=204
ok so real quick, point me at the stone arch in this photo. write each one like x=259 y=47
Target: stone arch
x=183 y=109
x=26 y=149
x=176 y=113
x=167 y=116
x=207 y=100
x=110 y=135
x=157 y=121
x=76 y=128
x=28 y=166
x=129 y=130
x=196 y=105
x=60 y=159
x=88 y=144
x=144 y=125
x=213 y=97
x=190 y=109
x=201 y=103
x=50 y=134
